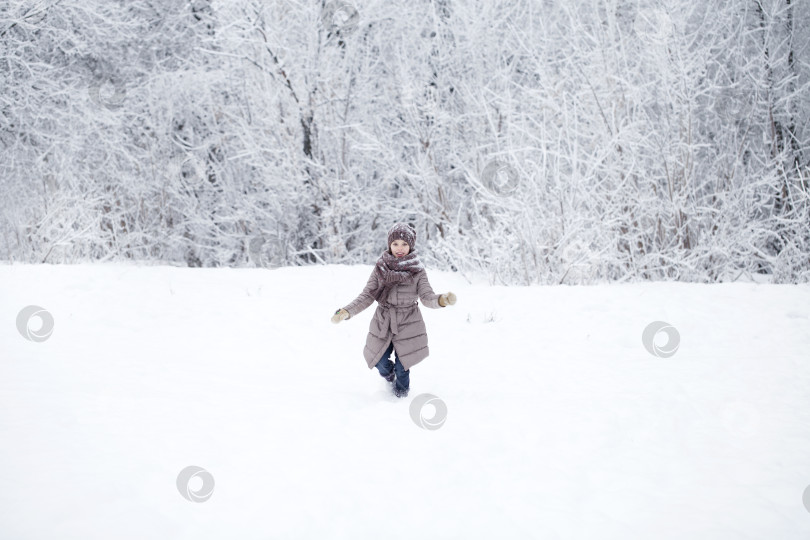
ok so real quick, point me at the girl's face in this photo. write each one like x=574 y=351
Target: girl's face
x=400 y=248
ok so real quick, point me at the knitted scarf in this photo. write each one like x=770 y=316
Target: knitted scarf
x=392 y=270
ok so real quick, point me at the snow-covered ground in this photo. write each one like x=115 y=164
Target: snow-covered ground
x=559 y=422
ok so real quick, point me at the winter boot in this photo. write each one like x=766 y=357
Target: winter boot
x=400 y=392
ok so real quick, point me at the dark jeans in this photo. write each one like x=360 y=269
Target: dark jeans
x=385 y=365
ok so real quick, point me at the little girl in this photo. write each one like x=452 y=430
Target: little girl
x=397 y=279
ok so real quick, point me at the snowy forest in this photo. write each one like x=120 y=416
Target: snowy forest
x=531 y=141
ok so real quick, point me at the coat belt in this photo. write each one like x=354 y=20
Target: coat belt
x=392 y=309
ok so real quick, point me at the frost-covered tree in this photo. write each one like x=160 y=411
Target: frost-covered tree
x=537 y=141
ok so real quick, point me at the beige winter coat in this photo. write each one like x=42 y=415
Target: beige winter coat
x=398 y=319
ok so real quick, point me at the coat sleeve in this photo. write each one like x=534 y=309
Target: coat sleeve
x=364 y=299
x=426 y=295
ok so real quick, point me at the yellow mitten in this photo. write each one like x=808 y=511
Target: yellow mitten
x=340 y=315
x=447 y=298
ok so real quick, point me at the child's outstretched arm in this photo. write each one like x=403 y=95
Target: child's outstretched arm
x=363 y=300
x=428 y=297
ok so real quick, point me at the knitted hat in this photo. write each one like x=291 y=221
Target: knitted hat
x=402 y=231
